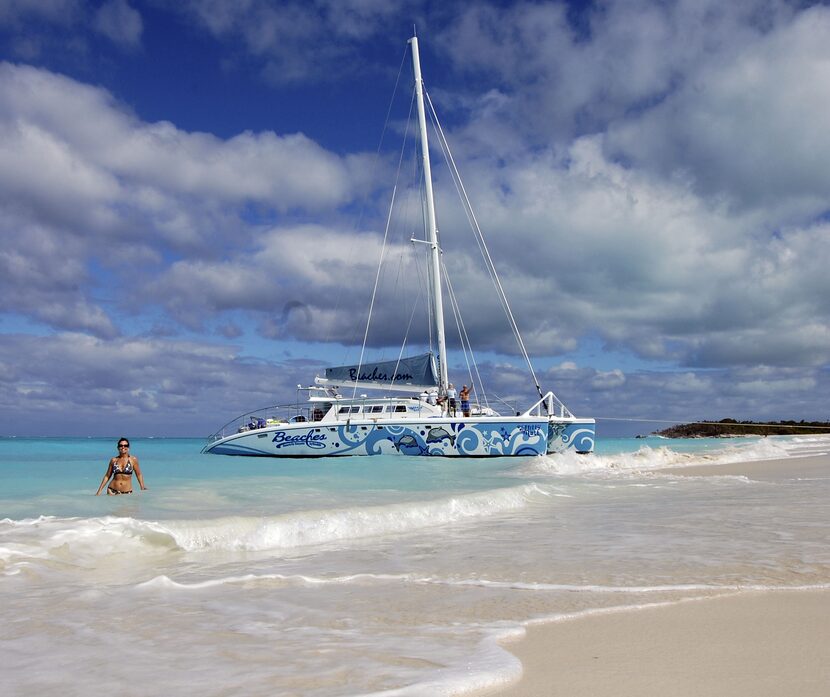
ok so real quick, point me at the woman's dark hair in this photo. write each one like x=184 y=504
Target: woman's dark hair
x=126 y=440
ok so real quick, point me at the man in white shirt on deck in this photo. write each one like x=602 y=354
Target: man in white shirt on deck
x=452 y=396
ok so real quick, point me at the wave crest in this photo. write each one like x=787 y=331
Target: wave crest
x=310 y=528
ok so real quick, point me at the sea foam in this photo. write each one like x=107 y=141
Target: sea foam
x=310 y=528
x=648 y=458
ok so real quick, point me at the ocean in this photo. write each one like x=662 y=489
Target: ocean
x=367 y=576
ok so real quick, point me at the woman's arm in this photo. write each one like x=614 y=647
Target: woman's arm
x=106 y=478
x=138 y=475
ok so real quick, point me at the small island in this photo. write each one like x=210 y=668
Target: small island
x=731 y=427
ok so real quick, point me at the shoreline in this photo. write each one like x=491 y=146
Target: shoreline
x=752 y=643
x=801 y=467
x=746 y=644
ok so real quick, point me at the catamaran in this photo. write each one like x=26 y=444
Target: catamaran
x=418 y=412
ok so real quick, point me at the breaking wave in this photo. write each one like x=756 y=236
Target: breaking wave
x=288 y=531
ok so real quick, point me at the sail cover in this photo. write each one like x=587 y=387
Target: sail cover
x=416 y=370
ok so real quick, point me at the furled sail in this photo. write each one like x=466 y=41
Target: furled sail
x=414 y=371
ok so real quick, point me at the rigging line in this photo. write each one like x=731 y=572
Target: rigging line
x=411 y=315
x=489 y=259
x=463 y=335
x=374 y=291
x=373 y=169
x=405 y=338
x=454 y=300
x=457 y=309
x=422 y=284
x=405 y=216
x=512 y=407
x=422 y=200
x=479 y=237
x=457 y=316
x=401 y=287
x=456 y=179
x=380 y=262
x=770 y=424
x=491 y=271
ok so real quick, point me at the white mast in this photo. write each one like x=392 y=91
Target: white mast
x=432 y=232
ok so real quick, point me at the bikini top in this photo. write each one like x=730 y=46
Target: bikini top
x=128 y=468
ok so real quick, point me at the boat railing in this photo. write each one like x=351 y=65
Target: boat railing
x=262 y=418
x=550 y=405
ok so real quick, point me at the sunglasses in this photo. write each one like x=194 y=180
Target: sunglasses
x=123 y=445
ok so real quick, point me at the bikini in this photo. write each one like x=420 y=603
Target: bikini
x=116 y=469
x=128 y=468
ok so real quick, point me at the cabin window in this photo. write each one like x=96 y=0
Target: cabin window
x=377 y=408
x=343 y=410
x=355 y=410
x=400 y=407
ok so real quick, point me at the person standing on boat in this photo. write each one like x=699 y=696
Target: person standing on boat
x=120 y=469
x=464 y=395
x=452 y=395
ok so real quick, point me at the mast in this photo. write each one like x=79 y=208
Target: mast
x=432 y=232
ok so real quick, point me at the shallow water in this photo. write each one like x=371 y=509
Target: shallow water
x=366 y=575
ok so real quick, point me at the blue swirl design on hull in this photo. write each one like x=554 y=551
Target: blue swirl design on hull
x=579 y=436
x=443 y=439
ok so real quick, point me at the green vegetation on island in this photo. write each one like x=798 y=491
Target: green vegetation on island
x=731 y=427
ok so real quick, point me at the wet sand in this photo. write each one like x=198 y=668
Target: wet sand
x=766 y=644
x=742 y=644
x=791 y=468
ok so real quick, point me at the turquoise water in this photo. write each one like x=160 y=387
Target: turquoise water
x=380 y=575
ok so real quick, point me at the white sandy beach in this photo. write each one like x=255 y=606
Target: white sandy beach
x=753 y=643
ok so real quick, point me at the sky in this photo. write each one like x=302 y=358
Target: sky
x=194 y=198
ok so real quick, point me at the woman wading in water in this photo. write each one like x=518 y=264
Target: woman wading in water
x=120 y=470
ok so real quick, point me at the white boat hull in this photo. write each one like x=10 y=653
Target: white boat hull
x=441 y=437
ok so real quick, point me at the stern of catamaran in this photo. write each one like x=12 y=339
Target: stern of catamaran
x=575 y=433
x=565 y=431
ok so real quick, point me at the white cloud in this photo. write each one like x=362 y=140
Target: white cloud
x=747 y=129
x=43 y=276
x=119 y=22
x=626 y=57
x=608 y=380
x=95 y=183
x=99 y=387
x=653 y=179
x=83 y=134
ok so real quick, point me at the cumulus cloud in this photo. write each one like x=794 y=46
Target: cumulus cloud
x=575 y=70
x=100 y=387
x=586 y=244
x=97 y=149
x=746 y=128
x=43 y=276
x=83 y=181
x=649 y=176
x=640 y=401
x=670 y=208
